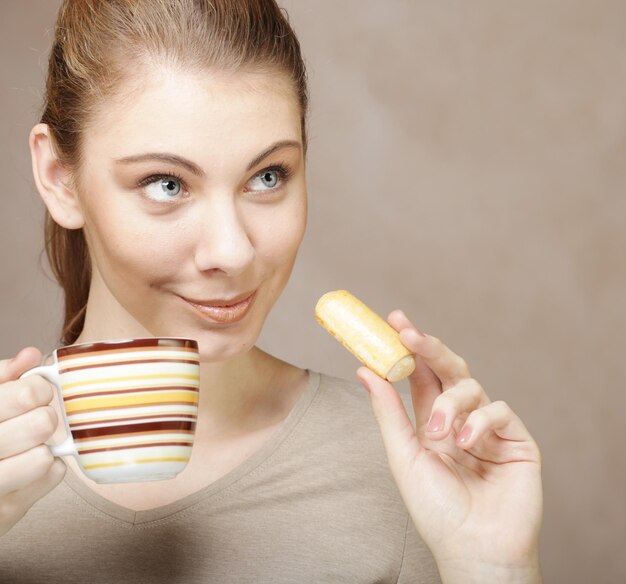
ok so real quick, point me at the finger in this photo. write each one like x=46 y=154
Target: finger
x=398 y=320
x=395 y=425
x=27 y=431
x=497 y=417
x=445 y=364
x=425 y=385
x=19 y=471
x=20 y=501
x=21 y=396
x=27 y=358
x=465 y=397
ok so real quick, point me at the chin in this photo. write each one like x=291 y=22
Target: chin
x=216 y=341
x=215 y=346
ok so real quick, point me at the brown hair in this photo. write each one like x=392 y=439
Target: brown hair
x=100 y=45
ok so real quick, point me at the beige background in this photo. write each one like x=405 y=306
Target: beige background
x=467 y=164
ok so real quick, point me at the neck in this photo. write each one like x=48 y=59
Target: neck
x=245 y=393
x=239 y=395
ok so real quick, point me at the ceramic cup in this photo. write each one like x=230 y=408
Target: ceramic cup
x=129 y=406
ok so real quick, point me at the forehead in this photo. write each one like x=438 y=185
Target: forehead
x=196 y=114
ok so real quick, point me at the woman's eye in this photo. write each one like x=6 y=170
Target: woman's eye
x=266 y=180
x=162 y=188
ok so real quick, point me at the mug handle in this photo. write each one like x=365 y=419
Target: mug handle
x=50 y=372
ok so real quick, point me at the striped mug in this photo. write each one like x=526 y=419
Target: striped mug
x=129 y=406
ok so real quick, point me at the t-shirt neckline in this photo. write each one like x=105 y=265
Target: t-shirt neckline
x=130 y=516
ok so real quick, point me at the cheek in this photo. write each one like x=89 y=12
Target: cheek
x=137 y=248
x=279 y=237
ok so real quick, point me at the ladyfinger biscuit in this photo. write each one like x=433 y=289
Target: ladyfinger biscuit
x=365 y=334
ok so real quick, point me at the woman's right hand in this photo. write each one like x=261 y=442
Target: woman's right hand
x=28 y=471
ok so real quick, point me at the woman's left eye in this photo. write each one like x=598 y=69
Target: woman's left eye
x=269 y=179
x=162 y=188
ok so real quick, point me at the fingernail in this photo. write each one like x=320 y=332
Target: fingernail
x=437 y=422
x=464 y=435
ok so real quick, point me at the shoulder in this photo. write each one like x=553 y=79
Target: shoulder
x=340 y=417
x=349 y=395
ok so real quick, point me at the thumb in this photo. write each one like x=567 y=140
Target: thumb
x=27 y=358
x=395 y=425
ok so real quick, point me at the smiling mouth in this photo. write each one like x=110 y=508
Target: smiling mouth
x=225 y=312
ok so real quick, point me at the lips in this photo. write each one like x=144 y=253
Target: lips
x=223 y=311
x=220 y=302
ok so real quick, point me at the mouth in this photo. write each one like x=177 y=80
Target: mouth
x=223 y=311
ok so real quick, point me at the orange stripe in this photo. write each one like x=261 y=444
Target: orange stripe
x=127 y=407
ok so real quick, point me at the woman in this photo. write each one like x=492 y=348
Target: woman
x=170 y=157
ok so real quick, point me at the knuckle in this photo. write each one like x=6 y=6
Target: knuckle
x=35 y=392
x=479 y=417
x=461 y=365
x=43 y=422
x=473 y=386
x=445 y=402
x=501 y=406
x=43 y=459
x=9 y=511
x=467 y=391
x=45 y=392
x=527 y=450
x=26 y=396
x=536 y=451
x=437 y=345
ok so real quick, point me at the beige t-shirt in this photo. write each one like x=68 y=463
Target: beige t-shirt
x=316 y=503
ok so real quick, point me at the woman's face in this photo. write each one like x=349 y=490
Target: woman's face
x=193 y=194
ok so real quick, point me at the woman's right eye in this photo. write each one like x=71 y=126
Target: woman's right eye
x=162 y=188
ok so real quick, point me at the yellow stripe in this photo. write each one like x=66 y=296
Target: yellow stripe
x=132 y=378
x=191 y=387
x=129 y=400
x=138 y=461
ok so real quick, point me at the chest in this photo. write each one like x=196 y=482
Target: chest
x=207 y=465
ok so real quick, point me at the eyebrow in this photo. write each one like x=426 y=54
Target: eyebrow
x=194 y=168
x=271 y=149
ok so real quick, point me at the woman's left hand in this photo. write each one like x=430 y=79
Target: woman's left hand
x=469 y=473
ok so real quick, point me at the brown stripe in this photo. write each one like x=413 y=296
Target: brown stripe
x=134 y=435
x=132 y=419
x=133 y=428
x=136 y=362
x=129 y=446
x=106 y=393
x=112 y=348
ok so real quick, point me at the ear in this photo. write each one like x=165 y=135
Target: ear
x=53 y=180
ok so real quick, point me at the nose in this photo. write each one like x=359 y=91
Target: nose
x=223 y=242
